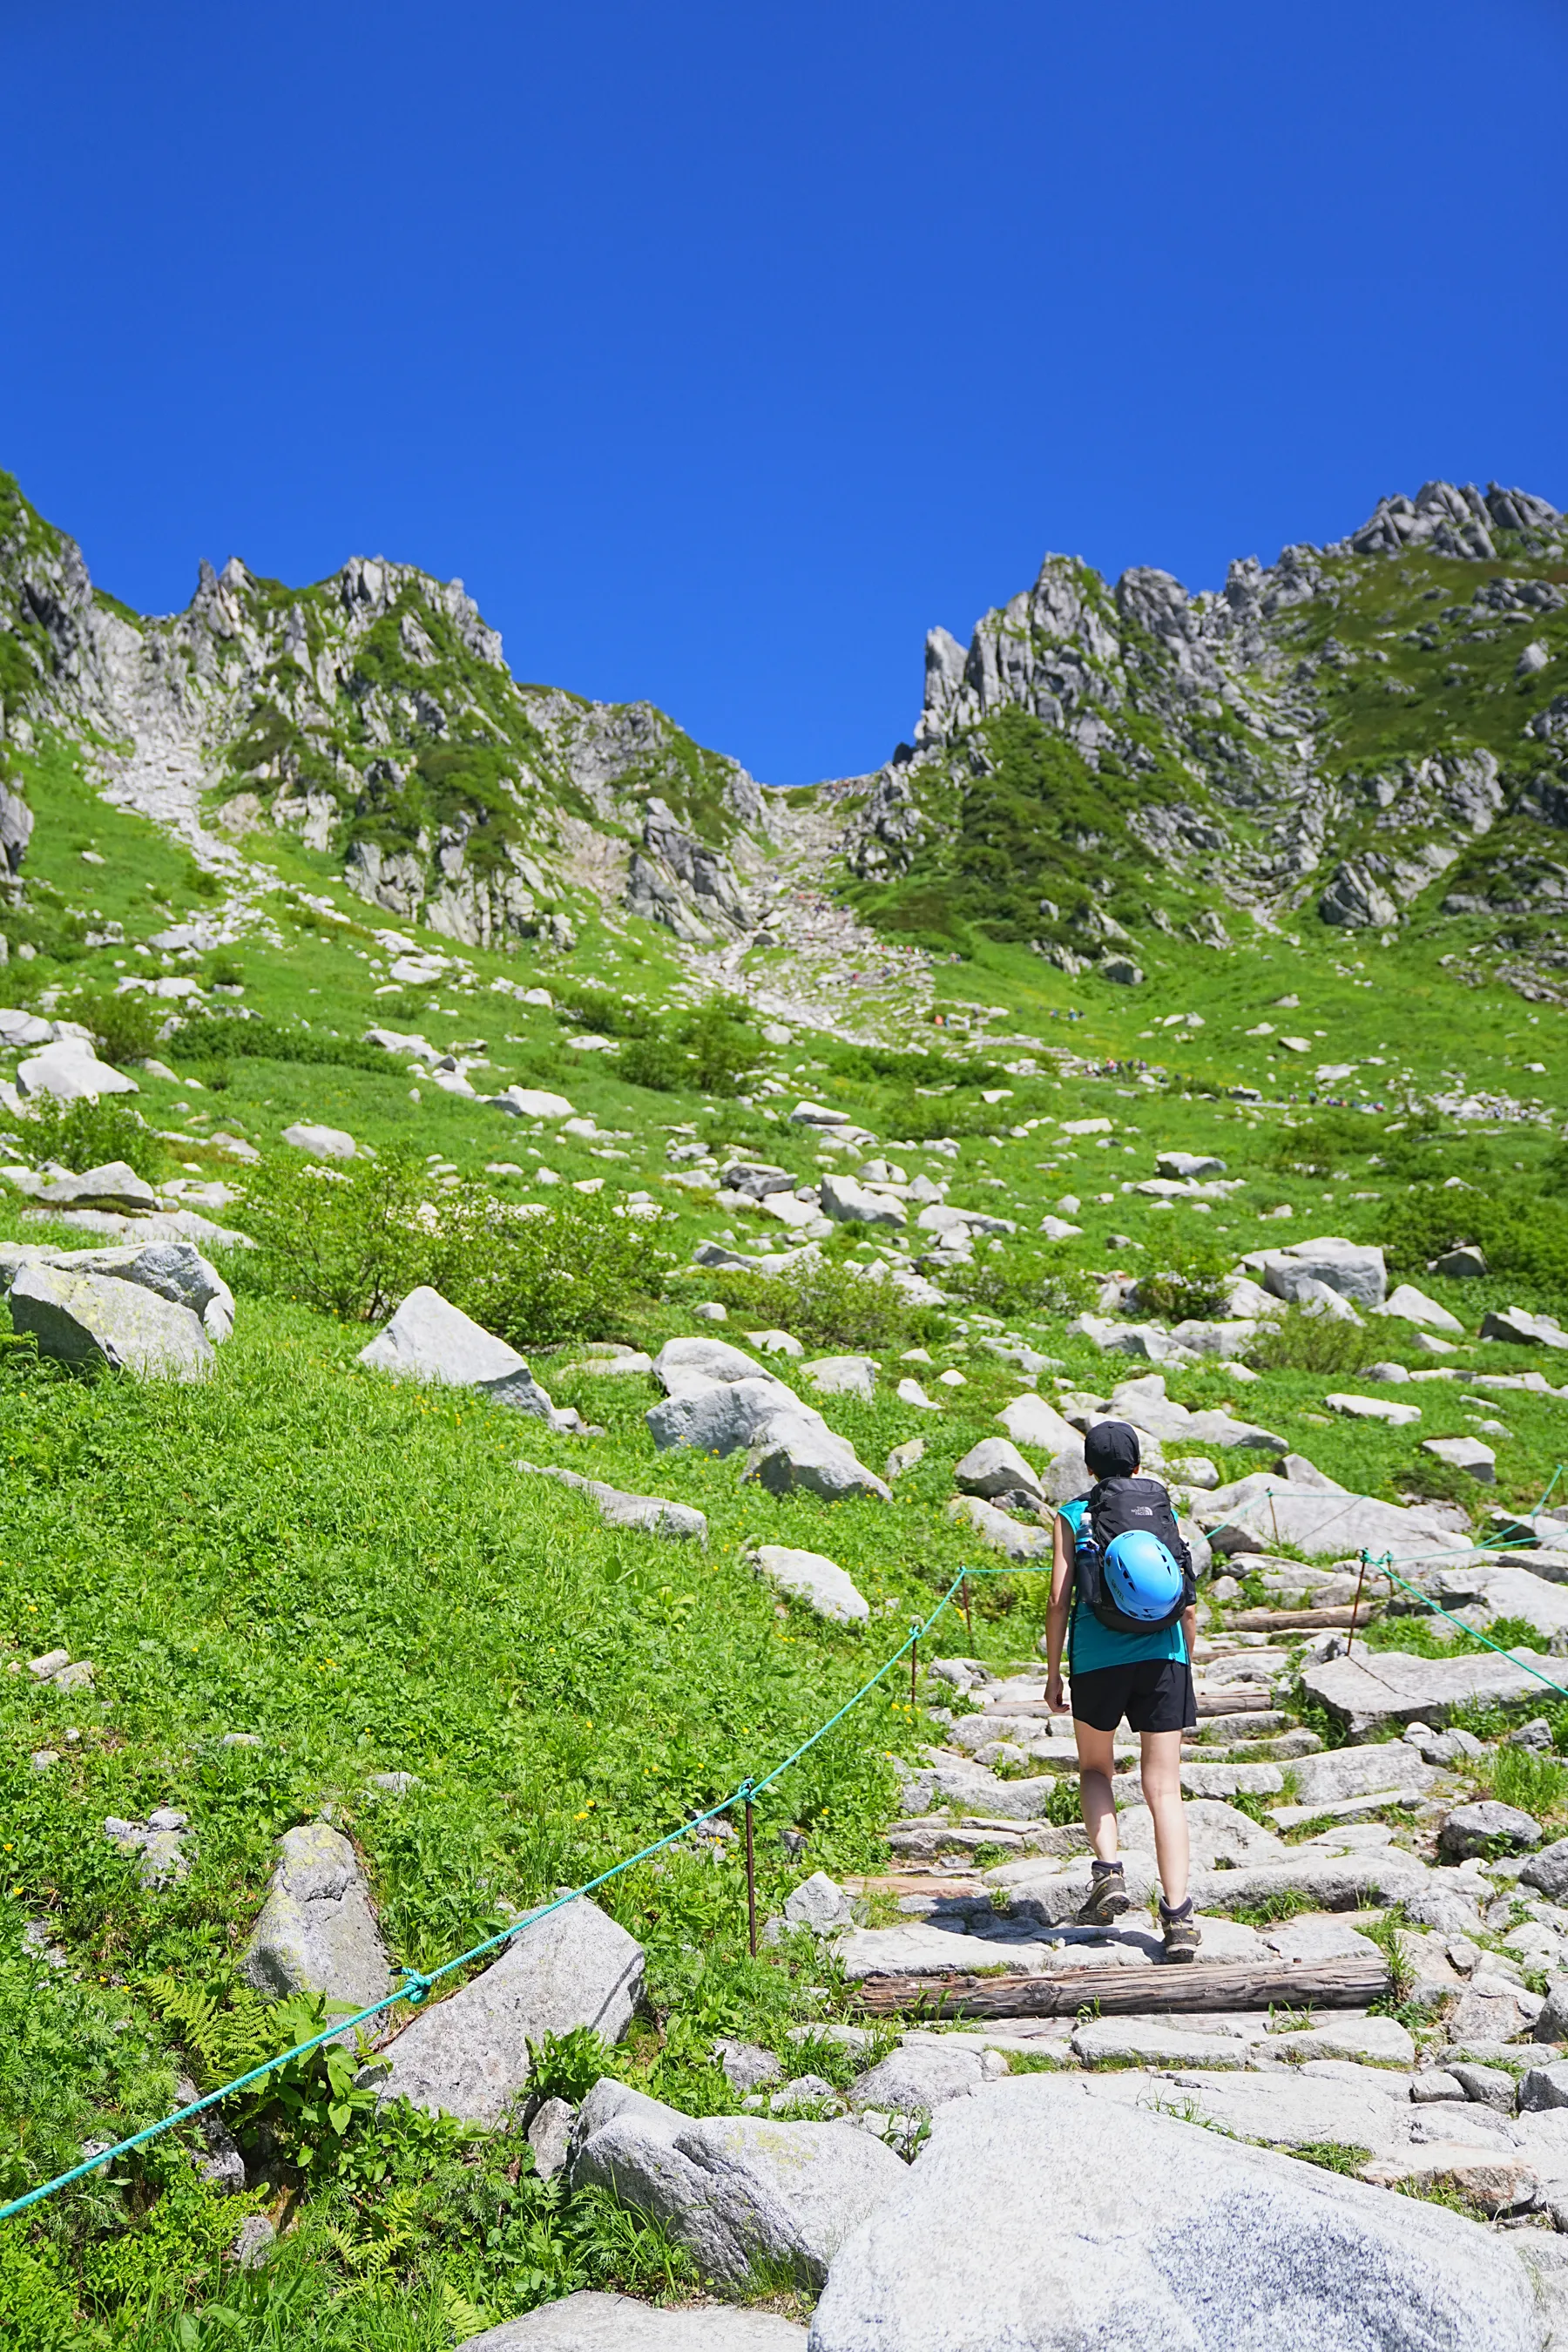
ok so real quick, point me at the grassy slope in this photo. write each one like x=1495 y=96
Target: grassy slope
x=358 y=1575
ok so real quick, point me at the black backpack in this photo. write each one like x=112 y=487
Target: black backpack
x=1116 y=1506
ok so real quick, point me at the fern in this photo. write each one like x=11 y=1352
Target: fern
x=222 y=2040
x=463 y=2317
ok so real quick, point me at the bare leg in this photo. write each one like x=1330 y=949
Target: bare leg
x=1163 y=1795
x=1095 y=1766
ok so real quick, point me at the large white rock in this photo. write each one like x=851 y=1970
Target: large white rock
x=850 y=1204
x=531 y=1102
x=1365 y=1408
x=1144 y=1403
x=922 y=2076
x=1393 y=1686
x=995 y=1466
x=1415 y=1306
x=648 y=1515
x=1044 y=2218
x=690 y=1362
x=720 y=1400
x=738 y=2191
x=1514 y=1326
x=322 y=1142
x=799 y=1453
x=1325 y=1526
x=843 y=1375
x=998 y=1530
x=589 y=2322
x=115 y=1185
x=18 y=1028
x=468 y=2055
x=93 y=1318
x=70 y=1071
x=1342 y=1772
x=318 y=1931
x=811 y=1577
x=1351 y=1269
x=1479 y=1461
x=1028 y=1420
x=431 y=1340
x=175 y=1270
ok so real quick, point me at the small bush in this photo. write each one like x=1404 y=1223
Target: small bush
x=915 y=1119
x=831 y=1304
x=1523 y=1232
x=567 y=2065
x=1190 y=1282
x=654 y=1062
x=709 y=1052
x=354 y=1243
x=1301 y=1342
x=86 y=1134
x=208 y=1038
x=1006 y=1284
x=607 y=1016
x=123 y=1028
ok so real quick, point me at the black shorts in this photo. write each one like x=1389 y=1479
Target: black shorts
x=1154 y=1693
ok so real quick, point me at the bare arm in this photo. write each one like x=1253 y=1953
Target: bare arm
x=1064 y=1558
x=1190 y=1632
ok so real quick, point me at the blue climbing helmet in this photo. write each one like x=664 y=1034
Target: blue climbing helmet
x=1140 y=1577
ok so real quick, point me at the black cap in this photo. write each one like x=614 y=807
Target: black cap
x=1110 y=1449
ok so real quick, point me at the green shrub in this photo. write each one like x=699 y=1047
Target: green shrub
x=567 y=2065
x=1189 y=1281
x=1301 y=1342
x=87 y=1134
x=575 y=1273
x=1523 y=1232
x=209 y=1037
x=916 y=1118
x=606 y=1016
x=123 y=1028
x=1006 y=1283
x=654 y=1062
x=38 y=2310
x=831 y=1304
x=353 y=1243
x=709 y=1052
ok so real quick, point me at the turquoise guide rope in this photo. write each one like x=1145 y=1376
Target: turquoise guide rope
x=417 y=1985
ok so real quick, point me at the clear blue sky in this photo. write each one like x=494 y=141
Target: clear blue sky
x=722 y=350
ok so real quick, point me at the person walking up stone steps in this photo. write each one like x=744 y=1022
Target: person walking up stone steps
x=1122 y=1609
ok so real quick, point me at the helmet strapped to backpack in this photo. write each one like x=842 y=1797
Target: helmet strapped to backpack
x=1133 y=1570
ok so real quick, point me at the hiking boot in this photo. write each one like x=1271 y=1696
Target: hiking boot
x=1108 y=1895
x=1180 y=1930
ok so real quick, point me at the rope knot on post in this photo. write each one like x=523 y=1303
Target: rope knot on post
x=415 y=1987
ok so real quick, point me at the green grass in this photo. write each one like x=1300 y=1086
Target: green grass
x=358 y=1574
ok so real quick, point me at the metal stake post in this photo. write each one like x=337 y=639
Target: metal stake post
x=1355 y=1605
x=750 y=1881
x=914 y=1659
x=968 y=1619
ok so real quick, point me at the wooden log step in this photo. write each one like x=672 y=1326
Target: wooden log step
x=1234 y=1698
x=1187 y=1986
x=1302 y=1621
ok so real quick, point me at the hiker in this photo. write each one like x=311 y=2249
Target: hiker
x=1123 y=1607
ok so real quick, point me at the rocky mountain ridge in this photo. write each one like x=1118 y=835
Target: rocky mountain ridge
x=1314 y=739
x=373 y=716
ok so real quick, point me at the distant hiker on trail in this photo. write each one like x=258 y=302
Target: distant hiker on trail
x=1123 y=1607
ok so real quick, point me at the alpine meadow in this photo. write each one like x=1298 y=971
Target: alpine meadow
x=537 y=1265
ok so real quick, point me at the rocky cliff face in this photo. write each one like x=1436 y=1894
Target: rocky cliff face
x=1326 y=738
x=374 y=716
